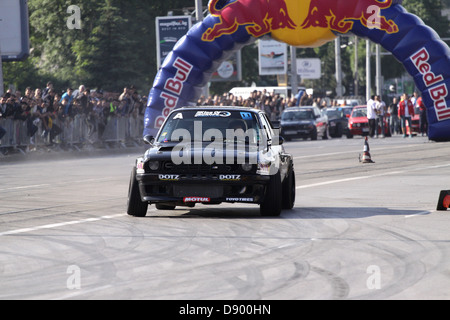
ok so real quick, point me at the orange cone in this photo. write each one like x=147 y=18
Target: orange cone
x=444 y=200
x=366 y=154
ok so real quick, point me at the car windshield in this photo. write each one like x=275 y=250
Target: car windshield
x=298 y=115
x=334 y=113
x=359 y=113
x=210 y=125
x=347 y=111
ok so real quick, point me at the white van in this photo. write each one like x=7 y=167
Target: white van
x=245 y=92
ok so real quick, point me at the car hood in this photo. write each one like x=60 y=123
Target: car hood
x=358 y=119
x=295 y=122
x=203 y=150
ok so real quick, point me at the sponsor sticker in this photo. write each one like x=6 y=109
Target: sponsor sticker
x=239 y=199
x=140 y=166
x=246 y=115
x=230 y=177
x=222 y=114
x=178 y=116
x=169 y=177
x=196 y=199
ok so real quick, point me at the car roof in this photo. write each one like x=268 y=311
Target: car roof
x=219 y=108
x=299 y=108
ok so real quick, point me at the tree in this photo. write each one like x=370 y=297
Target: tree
x=104 y=58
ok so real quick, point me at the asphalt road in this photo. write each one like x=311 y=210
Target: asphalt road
x=358 y=231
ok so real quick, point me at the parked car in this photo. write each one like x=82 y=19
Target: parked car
x=304 y=122
x=338 y=120
x=358 y=124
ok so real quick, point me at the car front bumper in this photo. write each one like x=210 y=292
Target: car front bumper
x=202 y=188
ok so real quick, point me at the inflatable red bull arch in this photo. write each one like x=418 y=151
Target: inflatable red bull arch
x=233 y=24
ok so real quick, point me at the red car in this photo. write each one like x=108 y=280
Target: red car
x=358 y=124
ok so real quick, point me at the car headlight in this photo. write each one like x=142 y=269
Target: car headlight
x=246 y=167
x=153 y=165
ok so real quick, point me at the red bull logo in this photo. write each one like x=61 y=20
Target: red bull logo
x=303 y=23
x=340 y=16
x=259 y=16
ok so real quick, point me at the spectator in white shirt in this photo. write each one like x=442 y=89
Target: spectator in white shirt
x=371 y=116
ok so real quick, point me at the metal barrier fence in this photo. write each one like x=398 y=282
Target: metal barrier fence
x=79 y=132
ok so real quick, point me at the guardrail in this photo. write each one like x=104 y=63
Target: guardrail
x=77 y=133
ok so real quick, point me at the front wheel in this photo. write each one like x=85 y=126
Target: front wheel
x=135 y=206
x=271 y=206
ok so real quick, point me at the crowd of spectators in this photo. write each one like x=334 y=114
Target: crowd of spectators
x=273 y=104
x=41 y=107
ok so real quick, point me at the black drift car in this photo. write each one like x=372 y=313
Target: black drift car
x=304 y=122
x=211 y=155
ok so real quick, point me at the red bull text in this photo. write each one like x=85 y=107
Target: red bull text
x=174 y=86
x=438 y=93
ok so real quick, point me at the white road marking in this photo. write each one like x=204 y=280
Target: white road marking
x=48 y=185
x=348 y=179
x=370 y=176
x=419 y=214
x=348 y=152
x=26 y=187
x=57 y=225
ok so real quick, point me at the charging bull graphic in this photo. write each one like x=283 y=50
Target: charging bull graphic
x=233 y=24
x=259 y=17
x=340 y=18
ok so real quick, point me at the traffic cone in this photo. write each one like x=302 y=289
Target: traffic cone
x=444 y=200
x=366 y=154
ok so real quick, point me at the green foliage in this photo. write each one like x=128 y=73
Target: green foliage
x=116 y=46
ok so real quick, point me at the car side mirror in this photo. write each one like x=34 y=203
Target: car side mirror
x=148 y=139
x=277 y=140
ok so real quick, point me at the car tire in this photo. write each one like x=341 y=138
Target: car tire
x=339 y=131
x=289 y=190
x=272 y=203
x=135 y=206
x=164 y=207
x=314 y=134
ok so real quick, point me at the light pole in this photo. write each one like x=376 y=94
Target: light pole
x=379 y=79
x=337 y=49
x=199 y=17
x=294 y=76
x=1 y=73
x=368 y=71
x=356 y=67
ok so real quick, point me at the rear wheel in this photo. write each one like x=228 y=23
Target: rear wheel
x=314 y=134
x=271 y=206
x=135 y=206
x=289 y=190
x=339 y=131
